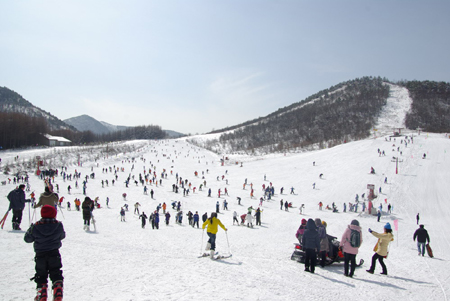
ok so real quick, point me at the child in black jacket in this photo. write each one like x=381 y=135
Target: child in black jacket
x=47 y=235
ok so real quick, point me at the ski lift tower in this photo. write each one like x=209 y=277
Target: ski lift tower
x=395 y=159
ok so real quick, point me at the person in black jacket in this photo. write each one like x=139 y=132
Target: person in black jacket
x=422 y=239
x=17 y=203
x=310 y=244
x=87 y=207
x=47 y=234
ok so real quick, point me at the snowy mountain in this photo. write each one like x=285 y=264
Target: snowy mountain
x=122 y=261
x=11 y=101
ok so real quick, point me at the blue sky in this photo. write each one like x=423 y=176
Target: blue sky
x=194 y=66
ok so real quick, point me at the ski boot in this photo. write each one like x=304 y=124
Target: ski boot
x=208 y=246
x=41 y=293
x=57 y=290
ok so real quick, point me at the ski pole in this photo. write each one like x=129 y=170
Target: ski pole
x=34 y=212
x=60 y=210
x=226 y=234
x=201 y=244
x=29 y=215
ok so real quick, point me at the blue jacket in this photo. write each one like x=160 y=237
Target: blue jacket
x=310 y=239
x=46 y=235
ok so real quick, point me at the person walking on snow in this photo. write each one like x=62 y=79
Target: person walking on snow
x=381 y=248
x=417 y=218
x=122 y=214
x=235 y=218
x=143 y=218
x=17 y=203
x=249 y=219
x=196 y=219
x=87 y=207
x=311 y=244
x=47 y=235
x=212 y=224
x=136 y=208
x=350 y=248
x=422 y=239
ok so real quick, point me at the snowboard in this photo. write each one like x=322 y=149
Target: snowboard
x=429 y=251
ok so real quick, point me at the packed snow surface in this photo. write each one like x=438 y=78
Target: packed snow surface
x=122 y=261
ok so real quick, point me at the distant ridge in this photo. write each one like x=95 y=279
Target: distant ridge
x=87 y=123
x=13 y=102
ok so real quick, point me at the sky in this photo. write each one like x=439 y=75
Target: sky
x=195 y=66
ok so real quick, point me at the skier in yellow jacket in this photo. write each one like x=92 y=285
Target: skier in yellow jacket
x=381 y=248
x=213 y=224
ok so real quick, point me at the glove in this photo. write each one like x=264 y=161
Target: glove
x=370 y=230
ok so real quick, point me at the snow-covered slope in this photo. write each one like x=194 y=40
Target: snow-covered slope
x=122 y=261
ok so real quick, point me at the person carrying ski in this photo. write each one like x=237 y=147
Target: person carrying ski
x=47 y=234
x=381 y=248
x=350 y=247
x=310 y=243
x=17 y=203
x=422 y=239
x=212 y=225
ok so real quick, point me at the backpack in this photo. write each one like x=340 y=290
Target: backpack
x=355 y=238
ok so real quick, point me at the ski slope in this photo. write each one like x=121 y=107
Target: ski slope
x=122 y=261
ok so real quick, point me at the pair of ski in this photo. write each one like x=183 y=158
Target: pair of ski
x=218 y=257
x=2 y=222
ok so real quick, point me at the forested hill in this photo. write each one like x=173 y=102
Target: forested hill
x=430 y=107
x=346 y=111
x=13 y=102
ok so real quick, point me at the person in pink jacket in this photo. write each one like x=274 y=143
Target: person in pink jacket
x=350 y=243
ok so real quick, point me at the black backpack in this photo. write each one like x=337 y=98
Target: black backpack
x=355 y=239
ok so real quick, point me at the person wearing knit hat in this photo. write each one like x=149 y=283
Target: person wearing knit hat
x=381 y=248
x=48 y=211
x=46 y=235
x=350 y=243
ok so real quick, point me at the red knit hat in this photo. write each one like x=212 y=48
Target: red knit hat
x=48 y=211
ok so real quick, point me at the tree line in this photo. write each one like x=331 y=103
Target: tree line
x=19 y=130
x=342 y=113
